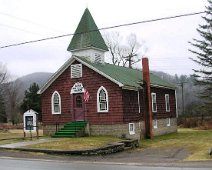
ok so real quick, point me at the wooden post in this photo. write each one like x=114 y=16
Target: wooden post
x=147 y=99
x=31 y=131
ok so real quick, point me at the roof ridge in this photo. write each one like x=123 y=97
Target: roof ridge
x=127 y=75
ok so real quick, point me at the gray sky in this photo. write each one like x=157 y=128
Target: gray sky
x=167 y=41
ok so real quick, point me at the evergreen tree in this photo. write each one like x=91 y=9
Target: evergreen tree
x=203 y=57
x=32 y=100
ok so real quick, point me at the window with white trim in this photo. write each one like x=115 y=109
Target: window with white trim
x=56 y=103
x=102 y=100
x=76 y=71
x=167 y=102
x=131 y=128
x=168 y=122
x=155 y=124
x=154 y=102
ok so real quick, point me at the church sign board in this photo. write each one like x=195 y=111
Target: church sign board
x=30 y=121
x=77 y=88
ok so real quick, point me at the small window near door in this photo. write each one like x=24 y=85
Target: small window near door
x=79 y=102
x=131 y=128
x=168 y=122
x=155 y=124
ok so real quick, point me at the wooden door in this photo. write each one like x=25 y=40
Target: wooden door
x=79 y=112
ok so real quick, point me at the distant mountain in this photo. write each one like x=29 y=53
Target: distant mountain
x=39 y=77
x=24 y=82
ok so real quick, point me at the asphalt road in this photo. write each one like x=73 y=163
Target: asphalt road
x=30 y=164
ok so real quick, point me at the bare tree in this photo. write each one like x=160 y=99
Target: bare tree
x=13 y=99
x=10 y=95
x=123 y=54
x=113 y=43
x=4 y=75
x=133 y=50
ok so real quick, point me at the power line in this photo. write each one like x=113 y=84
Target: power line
x=105 y=28
x=27 y=21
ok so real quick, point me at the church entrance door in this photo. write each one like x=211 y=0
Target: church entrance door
x=79 y=112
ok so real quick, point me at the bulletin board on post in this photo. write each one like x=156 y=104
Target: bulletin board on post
x=30 y=121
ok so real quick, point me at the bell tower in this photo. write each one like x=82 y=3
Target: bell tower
x=87 y=41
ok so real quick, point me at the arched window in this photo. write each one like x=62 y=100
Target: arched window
x=56 y=103
x=102 y=100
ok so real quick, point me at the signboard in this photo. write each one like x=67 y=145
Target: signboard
x=77 y=88
x=30 y=121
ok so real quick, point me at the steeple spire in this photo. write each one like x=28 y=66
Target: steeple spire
x=87 y=35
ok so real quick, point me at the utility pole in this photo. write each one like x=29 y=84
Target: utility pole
x=182 y=88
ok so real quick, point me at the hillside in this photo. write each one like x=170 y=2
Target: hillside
x=39 y=77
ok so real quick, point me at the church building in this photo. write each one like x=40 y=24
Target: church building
x=88 y=96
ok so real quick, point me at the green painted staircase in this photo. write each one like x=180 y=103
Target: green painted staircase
x=71 y=129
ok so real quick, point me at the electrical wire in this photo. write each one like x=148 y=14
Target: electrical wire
x=105 y=28
x=27 y=21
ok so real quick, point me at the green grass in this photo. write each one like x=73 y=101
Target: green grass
x=13 y=136
x=76 y=143
x=10 y=135
x=198 y=142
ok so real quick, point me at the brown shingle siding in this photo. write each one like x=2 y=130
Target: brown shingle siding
x=161 y=105
x=92 y=81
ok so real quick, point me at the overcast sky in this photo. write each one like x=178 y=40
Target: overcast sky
x=167 y=41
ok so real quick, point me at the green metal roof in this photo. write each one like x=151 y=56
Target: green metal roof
x=130 y=78
x=87 y=35
x=125 y=78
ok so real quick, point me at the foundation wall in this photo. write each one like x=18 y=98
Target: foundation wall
x=163 y=128
x=122 y=130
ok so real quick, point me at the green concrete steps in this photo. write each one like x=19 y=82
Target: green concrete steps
x=71 y=129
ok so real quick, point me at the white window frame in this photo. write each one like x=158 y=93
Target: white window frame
x=52 y=103
x=167 y=102
x=168 y=121
x=72 y=67
x=131 y=128
x=154 y=95
x=155 y=123
x=98 y=102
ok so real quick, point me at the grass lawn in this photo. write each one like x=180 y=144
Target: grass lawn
x=9 y=136
x=77 y=143
x=197 y=141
